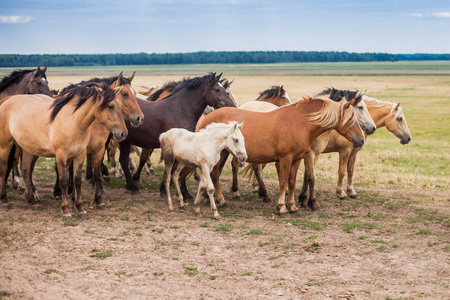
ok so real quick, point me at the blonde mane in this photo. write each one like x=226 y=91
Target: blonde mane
x=219 y=126
x=330 y=116
x=373 y=102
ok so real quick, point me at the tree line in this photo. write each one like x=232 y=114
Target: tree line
x=223 y=57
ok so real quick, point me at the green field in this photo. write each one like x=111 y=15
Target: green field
x=289 y=69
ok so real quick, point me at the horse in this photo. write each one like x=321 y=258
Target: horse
x=285 y=135
x=362 y=115
x=99 y=134
x=200 y=149
x=32 y=81
x=384 y=114
x=43 y=126
x=181 y=109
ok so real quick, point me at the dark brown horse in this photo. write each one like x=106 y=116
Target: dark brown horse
x=181 y=109
x=32 y=81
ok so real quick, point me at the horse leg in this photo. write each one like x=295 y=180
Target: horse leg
x=4 y=154
x=56 y=188
x=343 y=159
x=350 y=169
x=168 y=164
x=112 y=149
x=176 y=181
x=235 y=169
x=291 y=184
x=97 y=160
x=255 y=183
x=125 y=148
x=209 y=186
x=283 y=175
x=262 y=190
x=215 y=174
x=89 y=171
x=18 y=182
x=148 y=167
x=70 y=187
x=28 y=161
x=78 y=171
x=145 y=154
x=184 y=174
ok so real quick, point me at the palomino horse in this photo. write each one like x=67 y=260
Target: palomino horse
x=199 y=149
x=23 y=82
x=181 y=109
x=99 y=134
x=285 y=135
x=59 y=128
x=361 y=113
x=384 y=114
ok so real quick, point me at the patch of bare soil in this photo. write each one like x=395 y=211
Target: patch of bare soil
x=381 y=245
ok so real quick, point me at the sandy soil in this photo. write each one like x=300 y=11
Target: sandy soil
x=378 y=246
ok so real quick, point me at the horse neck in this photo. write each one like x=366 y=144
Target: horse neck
x=379 y=114
x=83 y=116
x=194 y=102
x=20 y=87
x=219 y=138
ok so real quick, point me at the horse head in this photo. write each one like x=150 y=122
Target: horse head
x=127 y=98
x=396 y=123
x=38 y=83
x=349 y=126
x=235 y=142
x=215 y=93
x=277 y=95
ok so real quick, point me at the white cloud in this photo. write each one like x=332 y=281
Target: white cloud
x=417 y=15
x=442 y=15
x=14 y=19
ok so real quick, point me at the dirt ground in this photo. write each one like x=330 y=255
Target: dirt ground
x=380 y=246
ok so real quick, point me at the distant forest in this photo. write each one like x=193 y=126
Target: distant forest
x=237 y=57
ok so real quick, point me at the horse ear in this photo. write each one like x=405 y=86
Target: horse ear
x=44 y=69
x=230 y=82
x=240 y=125
x=397 y=106
x=38 y=69
x=120 y=78
x=218 y=77
x=346 y=105
x=130 y=78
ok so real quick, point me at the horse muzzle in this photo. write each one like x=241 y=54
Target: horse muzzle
x=358 y=142
x=369 y=129
x=242 y=157
x=137 y=121
x=405 y=140
x=120 y=135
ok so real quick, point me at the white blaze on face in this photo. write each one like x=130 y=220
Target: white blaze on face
x=133 y=91
x=286 y=95
x=43 y=80
x=220 y=84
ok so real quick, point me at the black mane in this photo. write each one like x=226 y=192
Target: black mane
x=83 y=92
x=192 y=83
x=337 y=95
x=16 y=77
x=272 y=92
x=107 y=80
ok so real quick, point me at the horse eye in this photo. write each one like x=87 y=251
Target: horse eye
x=111 y=106
x=125 y=94
x=399 y=119
x=360 y=107
x=236 y=140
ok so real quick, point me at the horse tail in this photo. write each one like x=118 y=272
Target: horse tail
x=248 y=171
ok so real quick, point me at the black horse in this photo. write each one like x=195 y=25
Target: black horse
x=181 y=109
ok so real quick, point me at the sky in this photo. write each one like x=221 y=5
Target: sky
x=155 y=26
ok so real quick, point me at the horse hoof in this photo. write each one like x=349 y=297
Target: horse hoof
x=136 y=192
x=354 y=196
x=225 y=204
x=293 y=212
x=107 y=179
x=343 y=198
x=267 y=200
x=317 y=208
x=36 y=207
x=102 y=207
x=188 y=196
x=67 y=218
x=83 y=216
x=284 y=215
x=6 y=206
x=218 y=217
x=237 y=197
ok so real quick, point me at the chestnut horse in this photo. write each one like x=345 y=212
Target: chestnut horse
x=32 y=81
x=59 y=128
x=99 y=134
x=384 y=114
x=287 y=134
x=181 y=109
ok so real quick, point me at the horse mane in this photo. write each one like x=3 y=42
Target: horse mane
x=16 y=76
x=370 y=100
x=192 y=83
x=225 y=83
x=169 y=86
x=329 y=116
x=83 y=92
x=337 y=95
x=219 y=125
x=107 y=80
x=272 y=92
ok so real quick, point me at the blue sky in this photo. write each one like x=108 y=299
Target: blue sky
x=154 y=26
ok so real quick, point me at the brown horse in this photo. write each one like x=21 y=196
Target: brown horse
x=181 y=109
x=59 y=128
x=383 y=114
x=99 y=134
x=32 y=81
x=287 y=134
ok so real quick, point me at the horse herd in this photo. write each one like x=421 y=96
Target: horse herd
x=196 y=122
